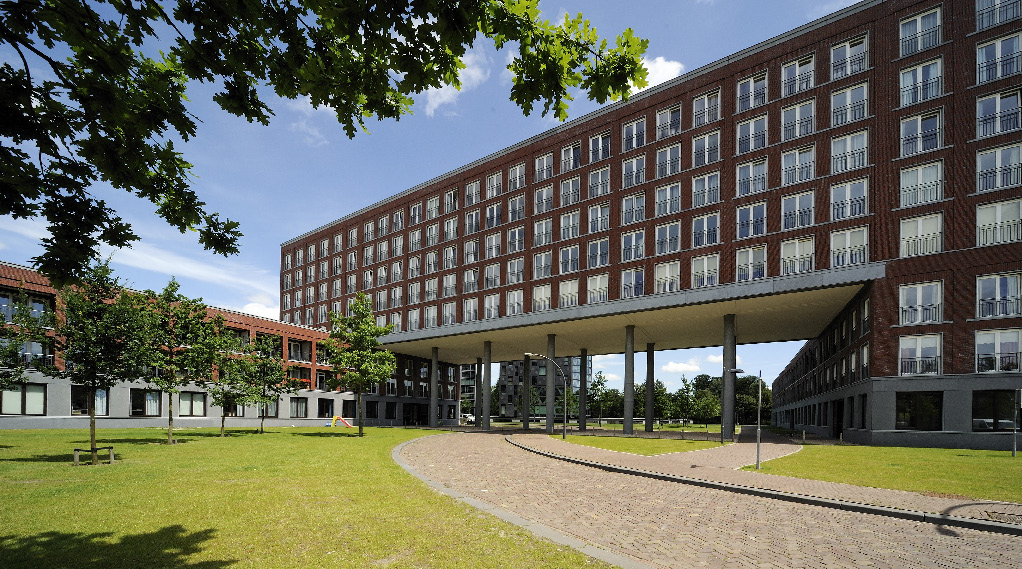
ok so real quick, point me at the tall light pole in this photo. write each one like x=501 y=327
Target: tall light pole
x=564 y=378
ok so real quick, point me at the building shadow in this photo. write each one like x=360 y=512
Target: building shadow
x=169 y=547
x=328 y=435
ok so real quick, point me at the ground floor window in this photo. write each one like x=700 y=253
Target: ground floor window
x=993 y=410
x=391 y=410
x=80 y=400
x=372 y=409
x=25 y=399
x=920 y=410
x=268 y=409
x=299 y=407
x=193 y=404
x=450 y=411
x=146 y=403
x=326 y=408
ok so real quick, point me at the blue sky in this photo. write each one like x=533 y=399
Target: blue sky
x=301 y=171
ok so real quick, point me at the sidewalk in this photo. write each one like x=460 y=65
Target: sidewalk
x=719 y=465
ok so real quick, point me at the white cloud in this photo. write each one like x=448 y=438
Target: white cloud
x=607 y=358
x=660 y=70
x=307 y=119
x=32 y=228
x=612 y=377
x=259 y=306
x=475 y=73
x=719 y=358
x=691 y=366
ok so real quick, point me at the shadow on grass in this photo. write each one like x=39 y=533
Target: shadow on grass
x=67 y=457
x=327 y=435
x=168 y=547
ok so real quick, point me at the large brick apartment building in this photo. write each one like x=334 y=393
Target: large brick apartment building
x=855 y=181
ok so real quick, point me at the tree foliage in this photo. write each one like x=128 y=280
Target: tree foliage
x=229 y=384
x=355 y=351
x=266 y=371
x=89 y=98
x=597 y=391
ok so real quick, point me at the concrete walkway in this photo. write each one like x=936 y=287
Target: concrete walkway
x=638 y=522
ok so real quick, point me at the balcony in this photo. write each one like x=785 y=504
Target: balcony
x=921 y=314
x=601 y=223
x=569 y=197
x=849 y=160
x=752 y=185
x=751 y=272
x=598 y=260
x=999 y=68
x=544 y=205
x=709 y=156
x=633 y=214
x=997 y=178
x=633 y=252
x=600 y=153
x=633 y=178
x=850 y=65
x=491 y=282
x=672 y=205
x=704 y=278
x=749 y=100
x=1007 y=231
x=921 y=245
x=668 y=245
x=797 y=265
x=751 y=142
x=926 y=365
x=705 y=116
x=850 y=112
x=799 y=173
x=569 y=266
x=993 y=363
x=667 y=167
x=795 y=129
x=704 y=237
x=848 y=256
x=922 y=193
x=851 y=207
x=919 y=41
x=801 y=82
x=994 y=307
x=597 y=295
x=922 y=91
x=540 y=271
x=599 y=188
x=544 y=172
x=566 y=300
x=997 y=123
x=798 y=218
x=449 y=290
x=998 y=13
x=668 y=284
x=570 y=163
x=750 y=227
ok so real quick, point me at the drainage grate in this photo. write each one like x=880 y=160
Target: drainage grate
x=1006 y=518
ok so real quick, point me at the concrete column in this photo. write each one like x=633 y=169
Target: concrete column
x=727 y=403
x=649 y=387
x=583 y=388
x=485 y=420
x=434 y=386
x=477 y=405
x=551 y=382
x=629 y=379
x=526 y=391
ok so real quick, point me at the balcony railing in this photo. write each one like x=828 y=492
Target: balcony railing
x=539 y=304
x=704 y=278
x=601 y=223
x=922 y=91
x=449 y=290
x=926 y=365
x=988 y=363
x=600 y=152
x=1004 y=66
x=544 y=172
x=798 y=173
x=922 y=193
x=668 y=284
x=43 y=360
x=570 y=163
x=633 y=252
x=545 y=204
x=668 y=245
x=668 y=167
x=1004 y=306
x=921 y=142
x=515 y=182
x=850 y=65
x=797 y=84
x=671 y=205
x=751 y=142
x=796 y=265
x=1004 y=121
x=751 y=272
x=997 y=178
x=569 y=231
x=920 y=41
x=540 y=271
x=515 y=214
x=569 y=197
x=752 y=185
x=1000 y=12
x=921 y=245
x=849 y=208
x=598 y=260
x=705 y=116
x=599 y=188
x=850 y=112
x=921 y=314
x=569 y=266
x=1008 y=231
x=668 y=128
x=848 y=160
x=492 y=282
x=704 y=237
x=492 y=251
x=750 y=227
x=798 y=128
x=566 y=300
x=597 y=295
x=634 y=177
x=749 y=100
x=631 y=290
x=848 y=256
x=633 y=214
x=708 y=156
x=798 y=218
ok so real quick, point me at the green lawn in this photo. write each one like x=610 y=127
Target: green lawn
x=298 y=497
x=647 y=447
x=692 y=428
x=976 y=474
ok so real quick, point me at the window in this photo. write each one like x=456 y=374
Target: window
x=704 y=230
x=920 y=134
x=472 y=193
x=990 y=13
x=433 y=207
x=599 y=253
x=704 y=270
x=414 y=267
x=848 y=199
x=450 y=286
x=919 y=410
x=668 y=122
x=338 y=268
x=145 y=403
x=543 y=232
x=920 y=354
x=541 y=264
x=569 y=224
x=493 y=215
x=848 y=58
x=633 y=171
x=599 y=147
x=599 y=217
x=631 y=283
x=413 y=319
x=471 y=281
x=848 y=105
x=515 y=178
x=667 y=238
x=516 y=240
x=797 y=76
x=668 y=161
x=920 y=32
x=515 y=270
x=567 y=293
x=797 y=256
x=569 y=191
x=571 y=157
x=352 y=264
x=993 y=410
x=751 y=263
x=668 y=199
x=798 y=166
x=797 y=210
x=920 y=303
x=352 y=284
x=299 y=407
x=414 y=295
x=541 y=297
x=998 y=113
x=287 y=262
x=312 y=248
x=706 y=149
x=470 y=310
x=80 y=400
x=596 y=288
x=516 y=208
x=668 y=276
x=492 y=279
x=848 y=247
x=633 y=208
x=849 y=152
x=432 y=234
x=493 y=185
x=396 y=296
x=429 y=317
x=471 y=222
x=998 y=295
x=544 y=168
x=432 y=286
x=999 y=168
x=798 y=120
x=28 y=399
x=545 y=199
x=415 y=240
x=752 y=134
x=921 y=83
x=921 y=235
x=705 y=109
x=398 y=220
x=751 y=220
x=752 y=92
x=751 y=177
x=999 y=223
x=352 y=239
x=192 y=404
x=633 y=246
x=300 y=255
x=599 y=182
x=491 y=306
x=998 y=59
x=450 y=201
x=922 y=184
x=450 y=229
x=514 y=302
x=432 y=262
x=633 y=135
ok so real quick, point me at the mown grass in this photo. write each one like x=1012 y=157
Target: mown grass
x=647 y=447
x=298 y=497
x=690 y=428
x=975 y=474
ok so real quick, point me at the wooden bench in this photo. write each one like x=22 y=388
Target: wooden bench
x=78 y=451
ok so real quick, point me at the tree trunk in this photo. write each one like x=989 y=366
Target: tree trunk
x=223 y=419
x=361 y=413
x=262 y=421
x=92 y=425
x=170 y=418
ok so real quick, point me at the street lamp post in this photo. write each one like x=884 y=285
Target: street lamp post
x=564 y=378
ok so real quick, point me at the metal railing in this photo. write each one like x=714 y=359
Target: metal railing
x=753 y=99
x=704 y=237
x=599 y=188
x=1004 y=66
x=797 y=128
x=801 y=82
x=926 y=365
x=796 y=265
x=704 y=278
x=705 y=116
x=921 y=245
x=799 y=173
x=749 y=227
x=669 y=128
x=848 y=208
x=922 y=193
x=922 y=91
x=996 y=178
x=998 y=13
x=997 y=362
x=751 y=272
x=1009 y=231
x=634 y=177
x=848 y=160
x=850 y=112
x=921 y=313
x=633 y=214
x=752 y=185
x=751 y=142
x=708 y=156
x=1004 y=121
x=668 y=167
x=671 y=205
x=919 y=41
x=798 y=218
x=850 y=65
x=1004 y=306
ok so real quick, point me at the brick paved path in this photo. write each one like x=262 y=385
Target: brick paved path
x=666 y=524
